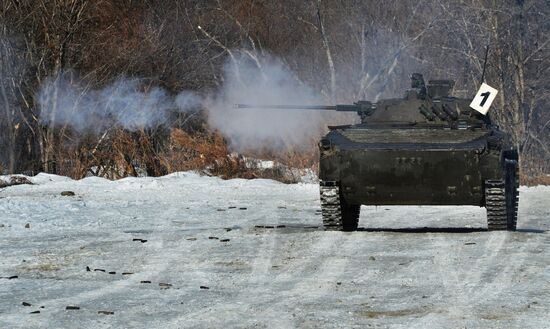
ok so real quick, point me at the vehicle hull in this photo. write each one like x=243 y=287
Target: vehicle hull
x=411 y=173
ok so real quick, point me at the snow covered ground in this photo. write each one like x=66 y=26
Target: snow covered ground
x=257 y=247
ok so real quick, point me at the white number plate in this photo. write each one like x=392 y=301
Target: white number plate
x=484 y=98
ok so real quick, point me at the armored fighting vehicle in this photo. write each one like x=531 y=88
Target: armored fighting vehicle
x=427 y=148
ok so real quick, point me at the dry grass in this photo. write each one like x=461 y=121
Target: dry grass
x=122 y=153
x=538 y=180
x=535 y=171
x=190 y=152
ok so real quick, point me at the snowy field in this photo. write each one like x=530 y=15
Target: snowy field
x=184 y=251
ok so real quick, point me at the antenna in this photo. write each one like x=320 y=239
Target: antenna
x=486 y=118
x=485 y=64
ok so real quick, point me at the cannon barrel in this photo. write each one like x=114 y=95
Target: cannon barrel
x=344 y=108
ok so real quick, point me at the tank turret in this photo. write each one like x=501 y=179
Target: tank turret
x=422 y=106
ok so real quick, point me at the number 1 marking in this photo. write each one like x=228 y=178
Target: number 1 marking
x=485 y=96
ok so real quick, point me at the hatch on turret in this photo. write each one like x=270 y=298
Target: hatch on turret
x=440 y=88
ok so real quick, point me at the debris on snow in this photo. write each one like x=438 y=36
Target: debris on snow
x=106 y=312
x=9 y=277
x=6 y=181
x=163 y=285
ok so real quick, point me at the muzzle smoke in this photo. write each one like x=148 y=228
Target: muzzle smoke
x=66 y=101
x=267 y=83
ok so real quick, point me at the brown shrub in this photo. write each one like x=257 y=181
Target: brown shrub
x=538 y=180
x=535 y=170
x=120 y=153
x=208 y=152
x=191 y=152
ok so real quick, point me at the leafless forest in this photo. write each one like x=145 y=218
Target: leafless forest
x=342 y=51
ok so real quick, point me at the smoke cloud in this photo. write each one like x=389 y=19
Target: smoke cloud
x=65 y=101
x=68 y=101
x=269 y=83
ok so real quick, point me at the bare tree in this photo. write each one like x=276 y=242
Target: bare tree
x=345 y=50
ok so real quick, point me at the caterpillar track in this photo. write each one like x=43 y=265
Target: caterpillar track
x=495 y=203
x=502 y=199
x=330 y=208
x=516 y=203
x=337 y=215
